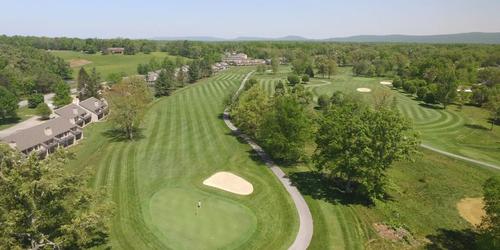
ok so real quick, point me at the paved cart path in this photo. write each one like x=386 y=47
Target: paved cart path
x=305 y=233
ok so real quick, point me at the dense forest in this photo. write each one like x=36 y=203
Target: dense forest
x=25 y=70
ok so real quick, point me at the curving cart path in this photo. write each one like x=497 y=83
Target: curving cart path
x=305 y=233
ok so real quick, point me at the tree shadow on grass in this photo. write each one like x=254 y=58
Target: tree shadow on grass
x=117 y=135
x=320 y=187
x=452 y=239
x=9 y=120
x=476 y=126
x=430 y=106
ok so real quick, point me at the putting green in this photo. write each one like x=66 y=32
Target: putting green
x=218 y=223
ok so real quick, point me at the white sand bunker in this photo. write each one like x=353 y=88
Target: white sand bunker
x=364 y=90
x=472 y=210
x=229 y=182
x=386 y=83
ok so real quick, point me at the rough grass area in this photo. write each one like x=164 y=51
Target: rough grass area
x=106 y=64
x=156 y=181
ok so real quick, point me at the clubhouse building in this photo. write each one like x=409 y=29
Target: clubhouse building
x=63 y=131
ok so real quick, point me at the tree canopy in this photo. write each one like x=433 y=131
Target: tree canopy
x=44 y=206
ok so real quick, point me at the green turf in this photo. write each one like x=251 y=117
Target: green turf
x=423 y=194
x=106 y=64
x=22 y=115
x=461 y=131
x=156 y=181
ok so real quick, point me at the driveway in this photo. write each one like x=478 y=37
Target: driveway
x=31 y=122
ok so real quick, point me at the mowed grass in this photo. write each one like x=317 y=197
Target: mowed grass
x=423 y=194
x=464 y=131
x=155 y=182
x=106 y=64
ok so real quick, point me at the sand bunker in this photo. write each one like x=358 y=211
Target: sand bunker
x=472 y=210
x=229 y=182
x=386 y=83
x=78 y=62
x=364 y=90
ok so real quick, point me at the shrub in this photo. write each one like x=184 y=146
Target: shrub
x=293 y=79
x=421 y=92
x=323 y=101
x=34 y=100
x=305 y=78
x=397 y=83
x=430 y=98
x=43 y=111
x=412 y=89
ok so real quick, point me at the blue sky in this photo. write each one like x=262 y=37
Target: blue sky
x=232 y=18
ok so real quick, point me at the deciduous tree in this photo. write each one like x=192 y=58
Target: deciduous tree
x=358 y=145
x=8 y=103
x=62 y=95
x=44 y=206
x=128 y=101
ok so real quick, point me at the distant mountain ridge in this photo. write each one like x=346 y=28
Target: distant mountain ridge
x=471 y=37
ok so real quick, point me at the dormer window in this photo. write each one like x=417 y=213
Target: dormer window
x=48 y=131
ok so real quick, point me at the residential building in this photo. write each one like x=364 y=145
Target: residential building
x=241 y=59
x=80 y=116
x=115 y=51
x=44 y=138
x=98 y=108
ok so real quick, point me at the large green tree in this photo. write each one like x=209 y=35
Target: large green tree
x=248 y=112
x=165 y=83
x=285 y=129
x=44 y=206
x=88 y=85
x=62 y=95
x=8 y=103
x=358 y=144
x=490 y=225
x=128 y=101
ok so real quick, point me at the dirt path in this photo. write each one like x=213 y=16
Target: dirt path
x=305 y=233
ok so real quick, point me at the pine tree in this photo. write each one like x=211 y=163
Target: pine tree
x=82 y=81
x=164 y=84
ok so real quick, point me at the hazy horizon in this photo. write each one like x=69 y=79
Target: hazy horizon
x=228 y=19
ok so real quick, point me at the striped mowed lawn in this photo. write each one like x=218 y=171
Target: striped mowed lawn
x=463 y=131
x=156 y=181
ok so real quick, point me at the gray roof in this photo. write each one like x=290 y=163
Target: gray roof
x=33 y=136
x=70 y=111
x=92 y=104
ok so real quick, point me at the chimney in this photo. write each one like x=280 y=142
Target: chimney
x=75 y=111
x=72 y=121
x=96 y=104
x=48 y=131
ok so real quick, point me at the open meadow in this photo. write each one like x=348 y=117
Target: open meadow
x=107 y=64
x=156 y=181
x=423 y=195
